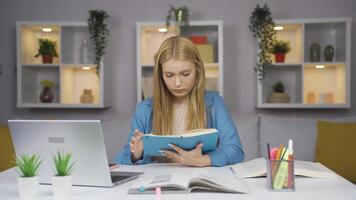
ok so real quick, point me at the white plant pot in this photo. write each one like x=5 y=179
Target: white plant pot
x=62 y=185
x=27 y=186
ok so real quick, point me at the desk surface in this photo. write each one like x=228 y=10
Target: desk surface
x=306 y=188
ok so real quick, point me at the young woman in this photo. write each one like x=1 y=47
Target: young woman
x=180 y=103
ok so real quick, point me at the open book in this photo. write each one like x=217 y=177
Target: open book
x=257 y=168
x=183 y=183
x=152 y=144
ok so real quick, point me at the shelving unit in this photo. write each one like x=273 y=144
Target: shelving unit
x=320 y=84
x=69 y=75
x=149 y=39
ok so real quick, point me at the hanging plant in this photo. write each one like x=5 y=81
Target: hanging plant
x=99 y=32
x=181 y=16
x=262 y=27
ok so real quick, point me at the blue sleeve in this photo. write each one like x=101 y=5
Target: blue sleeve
x=139 y=122
x=229 y=150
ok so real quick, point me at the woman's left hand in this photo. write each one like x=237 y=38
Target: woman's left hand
x=192 y=158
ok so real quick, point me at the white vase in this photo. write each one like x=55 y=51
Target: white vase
x=62 y=185
x=27 y=187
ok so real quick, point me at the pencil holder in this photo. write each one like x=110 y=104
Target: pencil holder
x=280 y=175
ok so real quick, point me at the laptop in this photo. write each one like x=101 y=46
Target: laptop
x=83 y=138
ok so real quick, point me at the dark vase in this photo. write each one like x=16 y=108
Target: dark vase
x=315 y=52
x=329 y=53
x=46 y=95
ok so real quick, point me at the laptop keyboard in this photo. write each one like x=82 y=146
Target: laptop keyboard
x=115 y=179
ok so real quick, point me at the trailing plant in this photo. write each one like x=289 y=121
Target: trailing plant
x=63 y=164
x=278 y=87
x=181 y=15
x=47 y=83
x=262 y=27
x=28 y=165
x=99 y=32
x=47 y=47
x=280 y=46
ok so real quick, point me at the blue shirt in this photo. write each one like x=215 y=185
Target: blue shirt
x=229 y=150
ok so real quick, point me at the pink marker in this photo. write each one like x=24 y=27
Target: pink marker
x=273 y=153
x=158 y=192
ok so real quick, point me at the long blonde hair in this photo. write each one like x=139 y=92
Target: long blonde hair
x=178 y=48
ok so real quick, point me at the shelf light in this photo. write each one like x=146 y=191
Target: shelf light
x=47 y=30
x=162 y=30
x=319 y=66
x=278 y=28
x=86 y=68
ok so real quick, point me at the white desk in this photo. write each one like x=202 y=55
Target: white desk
x=306 y=188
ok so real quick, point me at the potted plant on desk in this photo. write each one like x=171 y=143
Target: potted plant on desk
x=62 y=181
x=28 y=182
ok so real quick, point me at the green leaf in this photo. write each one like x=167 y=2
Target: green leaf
x=62 y=163
x=28 y=165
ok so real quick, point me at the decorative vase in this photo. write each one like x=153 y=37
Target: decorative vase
x=329 y=53
x=62 y=185
x=27 y=187
x=85 y=54
x=47 y=59
x=87 y=96
x=278 y=97
x=279 y=57
x=46 y=95
x=315 y=52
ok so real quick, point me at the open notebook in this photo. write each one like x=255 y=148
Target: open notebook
x=257 y=168
x=184 y=183
x=188 y=140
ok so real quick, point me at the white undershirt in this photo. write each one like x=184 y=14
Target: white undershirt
x=179 y=118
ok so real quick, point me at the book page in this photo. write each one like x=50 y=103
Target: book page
x=169 y=183
x=311 y=169
x=252 y=168
x=190 y=133
x=213 y=183
x=257 y=168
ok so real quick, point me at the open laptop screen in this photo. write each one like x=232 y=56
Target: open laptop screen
x=83 y=138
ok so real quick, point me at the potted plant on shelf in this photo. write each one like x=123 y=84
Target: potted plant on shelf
x=181 y=15
x=46 y=95
x=262 y=27
x=99 y=32
x=62 y=181
x=28 y=182
x=278 y=95
x=47 y=49
x=279 y=49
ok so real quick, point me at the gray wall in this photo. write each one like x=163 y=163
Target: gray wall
x=239 y=48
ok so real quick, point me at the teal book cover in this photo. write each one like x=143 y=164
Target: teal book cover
x=152 y=144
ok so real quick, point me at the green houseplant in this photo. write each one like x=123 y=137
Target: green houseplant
x=279 y=49
x=62 y=181
x=47 y=49
x=181 y=15
x=262 y=27
x=28 y=181
x=99 y=32
x=278 y=95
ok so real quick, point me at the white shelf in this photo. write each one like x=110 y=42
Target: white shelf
x=67 y=73
x=301 y=106
x=308 y=86
x=149 y=39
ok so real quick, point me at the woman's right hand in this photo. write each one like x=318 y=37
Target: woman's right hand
x=136 y=145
